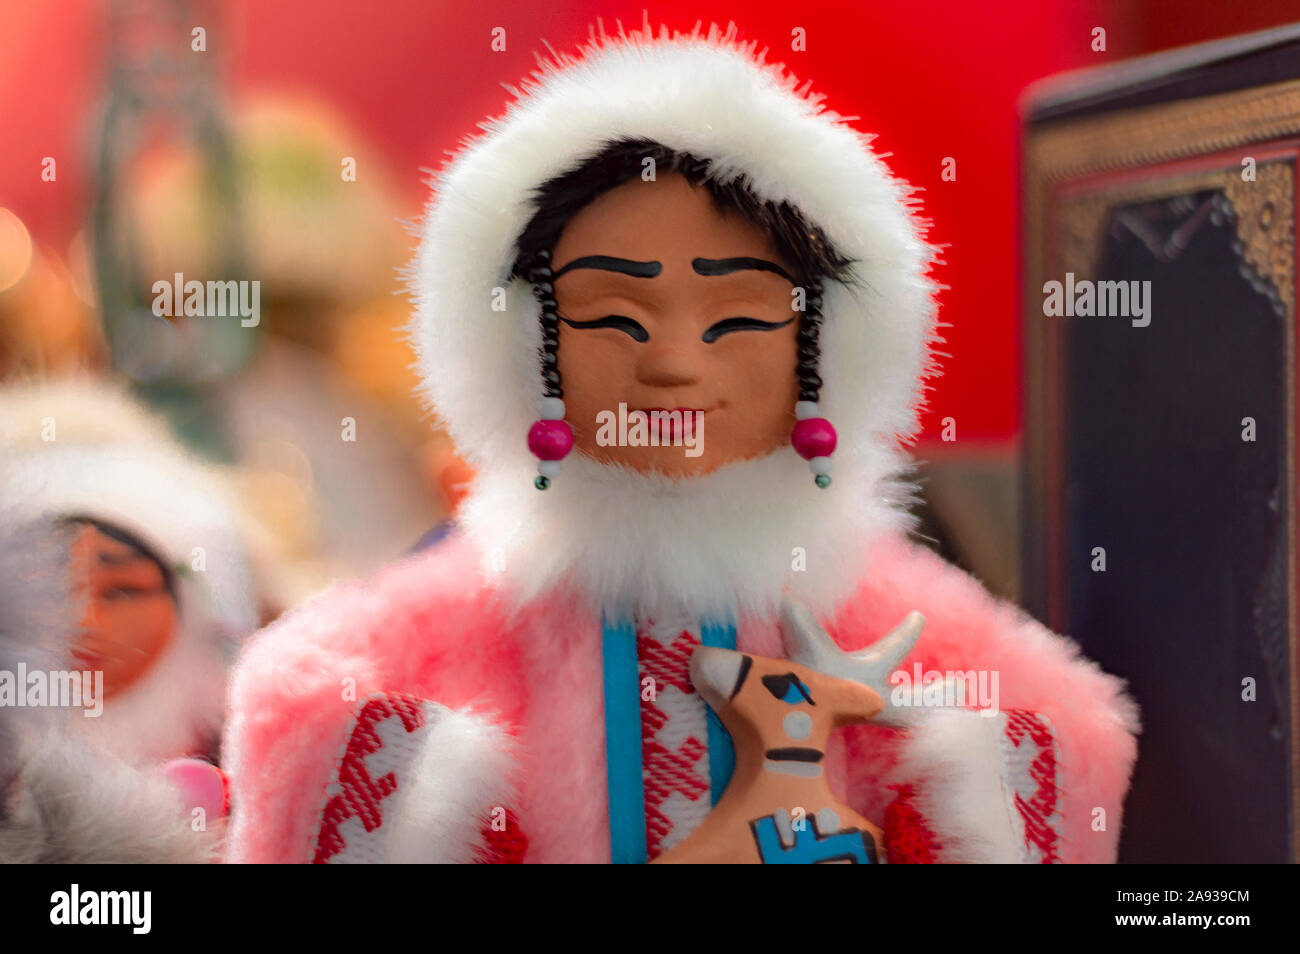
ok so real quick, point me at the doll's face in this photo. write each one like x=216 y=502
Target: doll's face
x=668 y=304
x=130 y=616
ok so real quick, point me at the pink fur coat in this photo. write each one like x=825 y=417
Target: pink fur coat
x=425 y=630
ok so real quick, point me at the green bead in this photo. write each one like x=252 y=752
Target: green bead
x=541 y=483
x=823 y=480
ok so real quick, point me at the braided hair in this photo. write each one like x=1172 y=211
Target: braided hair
x=559 y=199
x=540 y=274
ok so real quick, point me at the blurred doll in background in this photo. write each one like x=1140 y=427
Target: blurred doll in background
x=64 y=799
x=156 y=547
x=156 y=586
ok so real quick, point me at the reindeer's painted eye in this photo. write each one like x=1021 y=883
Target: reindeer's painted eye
x=788 y=689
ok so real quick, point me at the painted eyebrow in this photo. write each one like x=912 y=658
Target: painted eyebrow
x=609 y=263
x=725 y=266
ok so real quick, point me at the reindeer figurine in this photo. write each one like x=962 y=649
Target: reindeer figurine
x=778 y=808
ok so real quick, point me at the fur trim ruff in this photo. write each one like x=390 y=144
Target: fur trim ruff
x=463 y=764
x=75 y=804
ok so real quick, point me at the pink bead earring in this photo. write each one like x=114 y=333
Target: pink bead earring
x=813 y=437
x=550 y=439
x=814 y=440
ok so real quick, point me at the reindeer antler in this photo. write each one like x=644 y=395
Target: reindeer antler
x=810 y=645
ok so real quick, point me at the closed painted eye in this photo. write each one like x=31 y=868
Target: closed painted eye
x=789 y=689
x=727 y=325
x=129 y=592
x=628 y=326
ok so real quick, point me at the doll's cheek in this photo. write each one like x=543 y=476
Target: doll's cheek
x=125 y=638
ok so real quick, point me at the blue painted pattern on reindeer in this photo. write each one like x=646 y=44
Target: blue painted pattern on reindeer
x=809 y=847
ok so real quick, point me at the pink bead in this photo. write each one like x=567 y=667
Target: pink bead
x=200 y=783
x=813 y=437
x=550 y=440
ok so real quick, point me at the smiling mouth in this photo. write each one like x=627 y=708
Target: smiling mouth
x=102 y=650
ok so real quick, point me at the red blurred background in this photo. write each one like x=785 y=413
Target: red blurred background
x=401 y=82
x=934 y=80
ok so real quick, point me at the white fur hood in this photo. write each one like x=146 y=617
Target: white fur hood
x=727 y=543
x=78 y=448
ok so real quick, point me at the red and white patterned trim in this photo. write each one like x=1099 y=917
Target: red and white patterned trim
x=1029 y=776
x=418 y=783
x=674 y=737
x=977 y=789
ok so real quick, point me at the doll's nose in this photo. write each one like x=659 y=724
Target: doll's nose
x=667 y=366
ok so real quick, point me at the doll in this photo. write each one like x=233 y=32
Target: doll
x=144 y=588
x=64 y=799
x=779 y=713
x=156 y=557
x=677 y=317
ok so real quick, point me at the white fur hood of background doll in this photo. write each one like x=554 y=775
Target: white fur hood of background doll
x=84 y=449
x=62 y=799
x=730 y=541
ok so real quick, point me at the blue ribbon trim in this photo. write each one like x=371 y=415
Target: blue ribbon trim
x=722 y=753
x=622 y=683
x=623 y=743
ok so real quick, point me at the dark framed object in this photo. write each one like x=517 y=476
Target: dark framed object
x=1160 y=447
